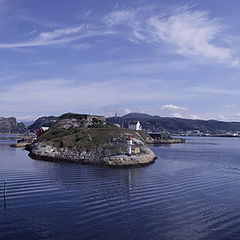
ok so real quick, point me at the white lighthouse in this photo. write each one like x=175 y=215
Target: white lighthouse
x=129 y=143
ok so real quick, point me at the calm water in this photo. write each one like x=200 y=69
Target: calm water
x=191 y=192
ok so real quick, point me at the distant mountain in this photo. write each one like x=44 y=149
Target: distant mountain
x=140 y=116
x=10 y=125
x=28 y=123
x=174 y=124
x=42 y=122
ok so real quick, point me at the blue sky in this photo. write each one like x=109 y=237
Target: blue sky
x=166 y=58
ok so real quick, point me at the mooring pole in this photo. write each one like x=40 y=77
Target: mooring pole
x=5 y=193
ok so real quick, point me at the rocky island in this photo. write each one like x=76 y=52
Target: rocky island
x=88 y=139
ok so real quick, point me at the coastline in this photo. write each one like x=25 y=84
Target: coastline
x=165 y=141
x=97 y=156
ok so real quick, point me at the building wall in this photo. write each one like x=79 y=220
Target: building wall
x=137 y=126
x=101 y=118
x=133 y=127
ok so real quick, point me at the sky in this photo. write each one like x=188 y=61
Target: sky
x=168 y=58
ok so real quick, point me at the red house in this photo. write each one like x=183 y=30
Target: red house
x=41 y=131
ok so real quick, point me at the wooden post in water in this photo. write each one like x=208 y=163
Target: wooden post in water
x=5 y=193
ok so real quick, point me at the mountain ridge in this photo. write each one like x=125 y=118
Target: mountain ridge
x=158 y=123
x=11 y=126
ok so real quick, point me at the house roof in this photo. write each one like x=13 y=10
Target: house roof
x=44 y=128
x=132 y=122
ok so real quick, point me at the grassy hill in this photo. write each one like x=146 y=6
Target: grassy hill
x=69 y=132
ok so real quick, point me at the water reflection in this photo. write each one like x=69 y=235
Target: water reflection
x=191 y=192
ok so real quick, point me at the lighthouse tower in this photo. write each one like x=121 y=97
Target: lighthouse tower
x=129 y=143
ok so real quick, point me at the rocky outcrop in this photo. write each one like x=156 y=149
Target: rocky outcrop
x=68 y=120
x=96 y=156
x=91 y=141
x=10 y=125
x=42 y=122
x=165 y=141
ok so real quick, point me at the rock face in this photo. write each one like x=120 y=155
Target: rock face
x=97 y=156
x=97 y=144
x=10 y=125
x=42 y=122
x=67 y=120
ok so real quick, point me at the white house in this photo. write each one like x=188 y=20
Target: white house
x=135 y=125
x=44 y=128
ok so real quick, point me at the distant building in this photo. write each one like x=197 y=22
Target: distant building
x=91 y=117
x=86 y=117
x=41 y=131
x=135 y=125
x=159 y=135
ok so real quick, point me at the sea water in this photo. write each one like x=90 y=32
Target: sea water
x=192 y=191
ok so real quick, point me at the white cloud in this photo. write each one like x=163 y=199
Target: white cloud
x=59 y=36
x=117 y=17
x=191 y=32
x=55 y=95
x=187 y=31
x=173 y=111
x=171 y=107
x=126 y=110
x=229 y=105
x=177 y=115
x=194 y=116
x=236 y=62
x=223 y=117
x=44 y=36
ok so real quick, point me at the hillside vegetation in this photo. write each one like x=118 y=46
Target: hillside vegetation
x=71 y=132
x=82 y=139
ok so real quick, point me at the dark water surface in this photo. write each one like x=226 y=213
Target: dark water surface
x=191 y=192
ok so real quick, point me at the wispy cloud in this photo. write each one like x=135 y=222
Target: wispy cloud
x=120 y=17
x=55 y=95
x=58 y=36
x=187 y=31
x=229 y=105
x=211 y=90
x=191 y=32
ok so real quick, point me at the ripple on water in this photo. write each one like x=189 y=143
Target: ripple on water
x=191 y=192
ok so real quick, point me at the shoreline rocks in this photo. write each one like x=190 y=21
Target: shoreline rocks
x=98 y=156
x=88 y=139
x=166 y=141
x=20 y=145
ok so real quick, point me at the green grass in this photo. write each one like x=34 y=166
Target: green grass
x=88 y=138
x=108 y=137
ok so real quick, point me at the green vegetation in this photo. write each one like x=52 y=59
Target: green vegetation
x=89 y=138
x=73 y=115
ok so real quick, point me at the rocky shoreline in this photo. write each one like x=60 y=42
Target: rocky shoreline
x=169 y=141
x=98 y=156
x=20 y=145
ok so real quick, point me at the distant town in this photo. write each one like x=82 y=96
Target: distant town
x=165 y=127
